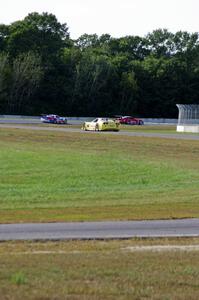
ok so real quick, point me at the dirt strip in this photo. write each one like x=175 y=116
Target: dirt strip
x=154 y=248
x=161 y=248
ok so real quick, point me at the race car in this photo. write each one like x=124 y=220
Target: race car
x=130 y=120
x=102 y=124
x=53 y=119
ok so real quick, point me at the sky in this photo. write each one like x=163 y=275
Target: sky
x=115 y=17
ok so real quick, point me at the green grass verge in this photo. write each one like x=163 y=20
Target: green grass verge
x=99 y=270
x=150 y=128
x=59 y=176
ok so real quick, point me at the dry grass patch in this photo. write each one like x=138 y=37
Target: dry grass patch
x=98 y=270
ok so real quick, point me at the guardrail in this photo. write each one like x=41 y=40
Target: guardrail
x=83 y=119
x=160 y=121
x=19 y=117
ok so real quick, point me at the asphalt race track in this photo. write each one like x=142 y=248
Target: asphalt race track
x=121 y=132
x=100 y=230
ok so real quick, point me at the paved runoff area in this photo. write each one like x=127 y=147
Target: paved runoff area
x=100 y=230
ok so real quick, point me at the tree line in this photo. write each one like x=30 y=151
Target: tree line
x=43 y=70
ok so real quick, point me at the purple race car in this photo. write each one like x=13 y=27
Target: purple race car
x=53 y=119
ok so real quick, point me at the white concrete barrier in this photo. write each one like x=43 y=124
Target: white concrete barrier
x=188 y=128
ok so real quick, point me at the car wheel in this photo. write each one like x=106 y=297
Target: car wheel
x=97 y=127
x=84 y=127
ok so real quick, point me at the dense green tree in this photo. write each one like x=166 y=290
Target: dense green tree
x=43 y=71
x=95 y=81
x=25 y=79
x=87 y=41
x=160 y=42
x=4 y=33
x=41 y=34
x=128 y=93
x=5 y=74
x=134 y=47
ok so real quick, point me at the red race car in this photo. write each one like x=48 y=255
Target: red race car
x=130 y=120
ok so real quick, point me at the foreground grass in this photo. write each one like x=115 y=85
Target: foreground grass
x=70 y=270
x=59 y=176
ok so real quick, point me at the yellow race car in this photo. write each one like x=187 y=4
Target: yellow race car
x=102 y=124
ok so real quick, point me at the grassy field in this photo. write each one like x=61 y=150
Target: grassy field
x=59 y=176
x=100 y=270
